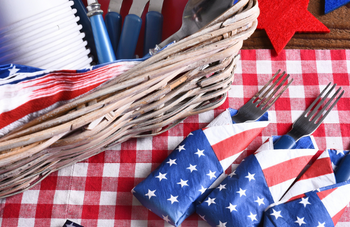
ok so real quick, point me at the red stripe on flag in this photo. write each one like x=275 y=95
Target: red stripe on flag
x=296 y=197
x=35 y=105
x=325 y=193
x=226 y=148
x=336 y=217
x=320 y=167
x=285 y=171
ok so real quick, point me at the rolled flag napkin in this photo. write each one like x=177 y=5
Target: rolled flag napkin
x=319 y=174
x=260 y=180
x=183 y=179
x=322 y=207
x=27 y=92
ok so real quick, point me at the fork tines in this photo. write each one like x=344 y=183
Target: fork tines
x=322 y=114
x=269 y=97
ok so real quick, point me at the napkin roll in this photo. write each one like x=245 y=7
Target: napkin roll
x=319 y=174
x=323 y=207
x=316 y=199
x=261 y=179
x=185 y=177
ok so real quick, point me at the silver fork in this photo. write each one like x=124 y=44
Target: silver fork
x=258 y=105
x=310 y=119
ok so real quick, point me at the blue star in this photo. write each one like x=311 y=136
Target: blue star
x=331 y=5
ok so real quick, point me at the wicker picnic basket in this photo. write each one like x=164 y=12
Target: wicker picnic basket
x=186 y=78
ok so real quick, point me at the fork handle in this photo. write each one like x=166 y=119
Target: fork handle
x=342 y=172
x=284 y=142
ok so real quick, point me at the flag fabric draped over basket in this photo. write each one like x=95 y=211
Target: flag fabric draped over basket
x=260 y=180
x=27 y=92
x=195 y=166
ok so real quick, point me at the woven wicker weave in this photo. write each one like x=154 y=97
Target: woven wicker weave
x=187 y=78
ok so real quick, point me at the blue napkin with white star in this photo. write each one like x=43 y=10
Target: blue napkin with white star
x=190 y=172
x=260 y=180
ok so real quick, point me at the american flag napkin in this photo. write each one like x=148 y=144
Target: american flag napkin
x=69 y=223
x=197 y=164
x=320 y=208
x=27 y=92
x=260 y=180
x=319 y=174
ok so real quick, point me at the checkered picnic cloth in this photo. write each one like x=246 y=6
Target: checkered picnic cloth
x=96 y=192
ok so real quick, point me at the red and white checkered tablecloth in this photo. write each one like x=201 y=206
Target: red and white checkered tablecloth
x=96 y=192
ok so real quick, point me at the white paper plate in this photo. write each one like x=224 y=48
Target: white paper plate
x=67 y=55
x=67 y=33
x=15 y=13
x=24 y=53
x=79 y=63
x=35 y=44
x=22 y=38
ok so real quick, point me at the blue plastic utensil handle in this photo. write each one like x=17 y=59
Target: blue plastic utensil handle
x=284 y=142
x=343 y=170
x=104 y=47
x=153 y=30
x=114 y=26
x=85 y=22
x=128 y=38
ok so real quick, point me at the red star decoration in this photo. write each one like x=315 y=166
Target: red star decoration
x=281 y=19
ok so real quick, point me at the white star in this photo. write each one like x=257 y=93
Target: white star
x=190 y=134
x=305 y=201
x=210 y=201
x=233 y=173
x=150 y=194
x=13 y=71
x=277 y=214
x=232 y=207
x=221 y=224
x=200 y=153
x=211 y=174
x=300 y=221
x=202 y=190
x=222 y=186
x=250 y=176
x=133 y=190
x=241 y=192
x=340 y=152
x=192 y=168
x=173 y=199
x=321 y=224
x=166 y=218
x=181 y=147
x=183 y=183
x=252 y=217
x=161 y=176
x=172 y=161
x=260 y=201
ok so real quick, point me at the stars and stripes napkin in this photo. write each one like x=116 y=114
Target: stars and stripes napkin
x=27 y=92
x=319 y=174
x=260 y=180
x=319 y=208
x=69 y=223
x=196 y=165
